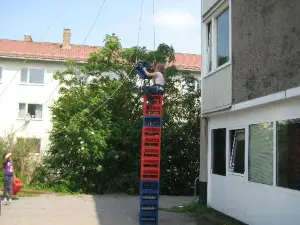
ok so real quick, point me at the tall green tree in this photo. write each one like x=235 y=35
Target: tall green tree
x=97 y=122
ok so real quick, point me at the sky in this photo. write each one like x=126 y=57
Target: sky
x=177 y=22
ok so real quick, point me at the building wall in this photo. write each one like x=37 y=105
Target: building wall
x=217 y=94
x=181 y=85
x=16 y=93
x=207 y=4
x=265 y=47
x=19 y=93
x=233 y=194
x=216 y=77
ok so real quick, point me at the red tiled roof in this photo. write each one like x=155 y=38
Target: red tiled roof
x=188 y=61
x=53 y=51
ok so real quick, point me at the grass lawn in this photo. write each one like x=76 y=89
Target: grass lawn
x=36 y=190
x=203 y=210
x=29 y=191
x=20 y=195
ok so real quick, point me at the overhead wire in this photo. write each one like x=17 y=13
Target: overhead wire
x=19 y=128
x=42 y=37
x=51 y=95
x=92 y=27
x=139 y=30
x=86 y=37
x=138 y=41
x=154 y=32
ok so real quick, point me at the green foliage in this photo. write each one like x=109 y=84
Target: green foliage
x=23 y=150
x=96 y=136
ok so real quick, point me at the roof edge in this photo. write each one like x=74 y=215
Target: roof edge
x=89 y=46
x=79 y=61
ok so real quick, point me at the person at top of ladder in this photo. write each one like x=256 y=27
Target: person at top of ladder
x=158 y=83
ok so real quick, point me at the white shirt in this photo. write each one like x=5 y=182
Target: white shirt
x=159 y=79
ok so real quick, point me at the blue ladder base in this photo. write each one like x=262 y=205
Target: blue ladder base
x=149 y=195
x=149 y=206
x=149 y=185
x=148 y=218
x=149 y=202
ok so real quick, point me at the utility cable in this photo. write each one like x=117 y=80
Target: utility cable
x=138 y=39
x=139 y=31
x=42 y=37
x=45 y=32
x=154 y=35
x=86 y=37
x=92 y=27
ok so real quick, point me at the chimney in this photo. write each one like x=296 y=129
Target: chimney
x=66 y=39
x=27 y=38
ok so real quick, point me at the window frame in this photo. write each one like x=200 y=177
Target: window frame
x=212 y=153
x=274 y=150
x=277 y=155
x=218 y=34
x=245 y=174
x=198 y=84
x=212 y=18
x=245 y=177
x=26 y=110
x=28 y=76
x=35 y=138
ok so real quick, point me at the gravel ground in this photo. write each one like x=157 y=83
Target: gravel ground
x=90 y=210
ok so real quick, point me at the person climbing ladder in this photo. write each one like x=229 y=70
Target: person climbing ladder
x=158 y=80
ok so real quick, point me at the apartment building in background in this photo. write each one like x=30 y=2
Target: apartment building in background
x=251 y=107
x=27 y=87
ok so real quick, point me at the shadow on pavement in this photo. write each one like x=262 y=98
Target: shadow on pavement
x=116 y=209
x=124 y=209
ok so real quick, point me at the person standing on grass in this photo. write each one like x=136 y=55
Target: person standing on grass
x=8 y=170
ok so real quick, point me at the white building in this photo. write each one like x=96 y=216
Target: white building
x=27 y=87
x=251 y=109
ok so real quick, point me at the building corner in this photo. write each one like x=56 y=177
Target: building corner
x=203 y=161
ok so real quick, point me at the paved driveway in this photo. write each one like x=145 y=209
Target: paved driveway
x=90 y=210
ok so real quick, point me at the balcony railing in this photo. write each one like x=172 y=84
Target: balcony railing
x=217 y=90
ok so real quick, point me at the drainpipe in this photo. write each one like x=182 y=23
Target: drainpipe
x=203 y=160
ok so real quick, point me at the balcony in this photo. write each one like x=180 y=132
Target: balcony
x=217 y=90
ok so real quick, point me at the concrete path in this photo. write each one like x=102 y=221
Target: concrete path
x=90 y=210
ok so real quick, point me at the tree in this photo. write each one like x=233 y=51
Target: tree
x=112 y=110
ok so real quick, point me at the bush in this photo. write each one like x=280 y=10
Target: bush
x=25 y=163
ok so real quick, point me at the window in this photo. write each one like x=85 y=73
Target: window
x=223 y=38
x=84 y=77
x=197 y=84
x=288 y=154
x=237 y=151
x=261 y=153
x=217 y=38
x=32 y=145
x=219 y=151
x=32 y=76
x=22 y=110
x=0 y=74
x=209 y=46
x=35 y=110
